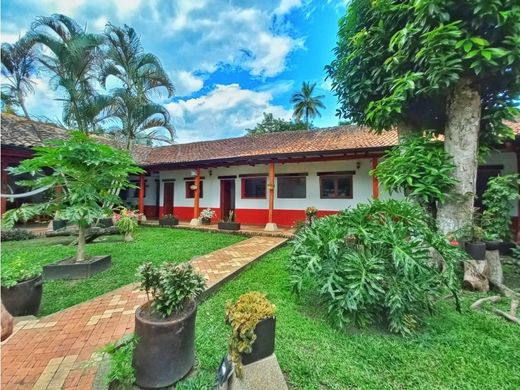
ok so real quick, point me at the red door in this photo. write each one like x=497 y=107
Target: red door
x=227 y=197
x=168 y=199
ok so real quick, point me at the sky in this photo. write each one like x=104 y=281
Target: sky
x=229 y=60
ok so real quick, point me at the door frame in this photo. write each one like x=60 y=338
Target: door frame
x=232 y=196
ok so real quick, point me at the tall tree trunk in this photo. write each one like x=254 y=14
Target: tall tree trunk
x=461 y=142
x=22 y=105
x=81 y=243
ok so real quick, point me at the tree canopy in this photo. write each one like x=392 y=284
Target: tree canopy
x=397 y=61
x=270 y=124
x=306 y=106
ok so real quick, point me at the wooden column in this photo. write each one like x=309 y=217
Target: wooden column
x=196 y=201
x=271 y=226
x=141 y=194
x=375 y=182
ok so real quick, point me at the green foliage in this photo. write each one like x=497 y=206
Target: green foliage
x=17 y=235
x=516 y=252
x=372 y=264
x=270 y=124
x=122 y=373
x=243 y=316
x=305 y=105
x=498 y=199
x=397 y=61
x=19 y=270
x=171 y=286
x=126 y=221
x=419 y=167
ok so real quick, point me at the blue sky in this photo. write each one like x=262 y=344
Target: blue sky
x=229 y=60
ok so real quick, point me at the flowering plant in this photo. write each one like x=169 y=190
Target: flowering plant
x=311 y=211
x=207 y=214
x=126 y=221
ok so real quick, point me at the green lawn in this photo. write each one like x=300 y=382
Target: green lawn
x=455 y=351
x=151 y=244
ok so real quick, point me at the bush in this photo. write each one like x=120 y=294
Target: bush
x=17 y=235
x=171 y=286
x=373 y=264
x=121 y=372
x=19 y=271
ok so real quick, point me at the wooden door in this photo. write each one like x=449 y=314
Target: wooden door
x=484 y=173
x=227 y=198
x=168 y=198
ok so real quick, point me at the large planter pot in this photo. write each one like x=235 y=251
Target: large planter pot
x=229 y=226
x=23 y=299
x=168 y=222
x=264 y=343
x=105 y=222
x=492 y=245
x=505 y=248
x=205 y=221
x=477 y=250
x=165 y=352
x=69 y=269
x=58 y=224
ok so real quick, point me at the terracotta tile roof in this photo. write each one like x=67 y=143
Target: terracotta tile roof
x=21 y=132
x=335 y=139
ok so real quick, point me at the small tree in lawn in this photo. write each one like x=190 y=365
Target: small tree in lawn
x=86 y=171
x=451 y=66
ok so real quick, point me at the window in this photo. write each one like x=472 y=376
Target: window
x=292 y=187
x=190 y=194
x=336 y=187
x=253 y=187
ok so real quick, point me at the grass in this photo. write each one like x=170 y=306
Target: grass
x=151 y=244
x=463 y=351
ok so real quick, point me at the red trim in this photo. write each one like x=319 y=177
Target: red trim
x=375 y=182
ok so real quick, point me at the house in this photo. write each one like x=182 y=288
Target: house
x=270 y=179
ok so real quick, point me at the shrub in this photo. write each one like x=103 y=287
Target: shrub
x=170 y=286
x=243 y=316
x=497 y=200
x=17 y=235
x=126 y=221
x=373 y=264
x=121 y=372
x=19 y=271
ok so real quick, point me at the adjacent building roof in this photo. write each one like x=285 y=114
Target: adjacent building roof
x=334 y=141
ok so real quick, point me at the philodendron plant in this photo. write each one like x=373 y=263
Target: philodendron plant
x=88 y=174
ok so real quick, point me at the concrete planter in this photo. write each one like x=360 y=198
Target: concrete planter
x=68 y=269
x=234 y=226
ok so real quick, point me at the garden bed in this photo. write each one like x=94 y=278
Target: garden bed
x=453 y=351
x=151 y=244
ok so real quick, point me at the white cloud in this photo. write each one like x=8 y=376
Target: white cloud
x=43 y=102
x=100 y=23
x=66 y=7
x=224 y=112
x=186 y=83
x=286 y=5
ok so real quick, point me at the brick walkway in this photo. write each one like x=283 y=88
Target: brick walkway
x=61 y=351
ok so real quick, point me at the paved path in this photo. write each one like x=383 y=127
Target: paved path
x=61 y=351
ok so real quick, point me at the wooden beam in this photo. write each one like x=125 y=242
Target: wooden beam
x=196 y=200
x=270 y=185
x=375 y=182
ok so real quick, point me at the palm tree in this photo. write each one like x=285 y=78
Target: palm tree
x=141 y=75
x=305 y=105
x=18 y=67
x=72 y=63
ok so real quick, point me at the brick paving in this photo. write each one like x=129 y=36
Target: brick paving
x=62 y=350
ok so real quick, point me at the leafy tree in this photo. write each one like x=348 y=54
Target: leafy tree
x=270 y=124
x=141 y=75
x=372 y=265
x=305 y=105
x=18 y=68
x=500 y=195
x=451 y=66
x=420 y=168
x=85 y=170
x=73 y=64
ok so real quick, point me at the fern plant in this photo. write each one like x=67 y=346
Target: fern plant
x=373 y=264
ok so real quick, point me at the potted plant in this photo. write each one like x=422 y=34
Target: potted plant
x=229 y=223
x=165 y=325
x=58 y=224
x=107 y=221
x=252 y=320
x=89 y=174
x=492 y=241
x=206 y=215
x=310 y=214
x=474 y=244
x=22 y=288
x=168 y=220
x=126 y=223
